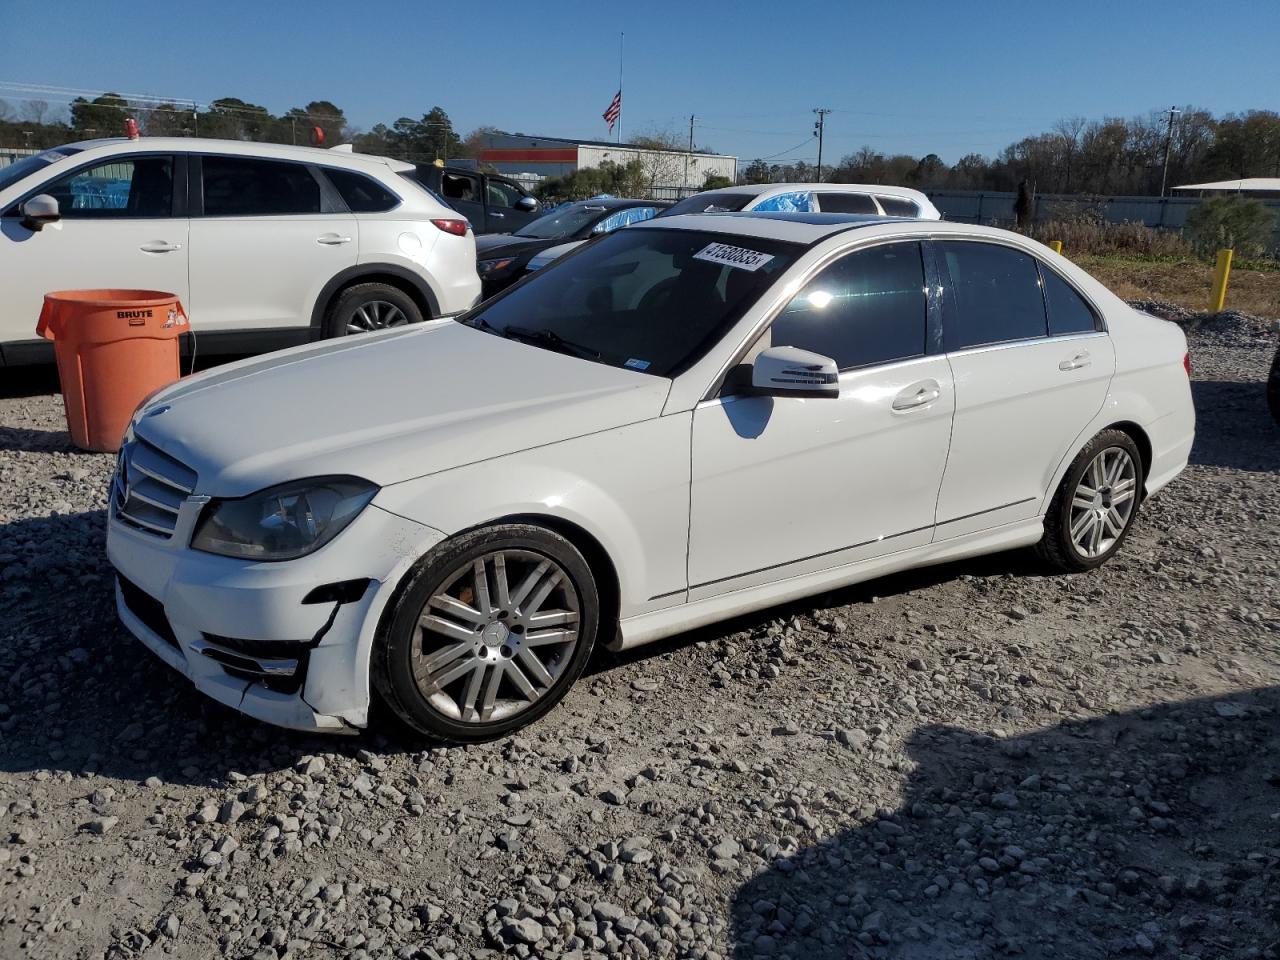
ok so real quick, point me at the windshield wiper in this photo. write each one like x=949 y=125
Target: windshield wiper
x=547 y=337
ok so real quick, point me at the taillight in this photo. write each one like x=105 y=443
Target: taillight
x=457 y=227
x=1186 y=362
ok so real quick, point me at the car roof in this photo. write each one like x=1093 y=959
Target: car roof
x=760 y=189
x=284 y=151
x=811 y=228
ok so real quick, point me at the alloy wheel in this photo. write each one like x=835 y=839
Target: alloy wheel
x=495 y=636
x=376 y=315
x=1103 y=502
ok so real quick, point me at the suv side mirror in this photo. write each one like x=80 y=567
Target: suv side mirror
x=38 y=211
x=792 y=372
x=527 y=204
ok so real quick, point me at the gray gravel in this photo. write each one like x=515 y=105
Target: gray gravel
x=975 y=760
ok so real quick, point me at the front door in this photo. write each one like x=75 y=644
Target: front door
x=503 y=216
x=264 y=242
x=118 y=230
x=1028 y=381
x=786 y=486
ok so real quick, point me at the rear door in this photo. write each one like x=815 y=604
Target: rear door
x=266 y=236
x=1026 y=388
x=123 y=225
x=502 y=215
x=462 y=191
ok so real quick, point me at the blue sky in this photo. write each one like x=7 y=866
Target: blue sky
x=949 y=77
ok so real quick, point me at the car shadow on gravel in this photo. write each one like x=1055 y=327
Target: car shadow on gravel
x=1136 y=834
x=1246 y=437
x=26 y=440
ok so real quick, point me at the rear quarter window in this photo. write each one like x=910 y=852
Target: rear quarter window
x=897 y=207
x=361 y=194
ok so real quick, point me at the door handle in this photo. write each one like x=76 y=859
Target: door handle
x=917 y=395
x=494 y=213
x=1081 y=359
x=332 y=240
x=160 y=246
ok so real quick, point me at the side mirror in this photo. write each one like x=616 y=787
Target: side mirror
x=527 y=204
x=792 y=372
x=38 y=211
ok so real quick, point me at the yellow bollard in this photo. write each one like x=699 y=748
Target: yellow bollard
x=1221 y=273
x=1055 y=246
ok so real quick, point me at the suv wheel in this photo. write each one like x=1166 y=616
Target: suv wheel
x=366 y=307
x=489 y=634
x=1095 y=506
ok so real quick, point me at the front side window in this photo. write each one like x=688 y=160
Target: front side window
x=795 y=202
x=994 y=295
x=123 y=187
x=653 y=301
x=501 y=194
x=866 y=308
x=1068 y=313
x=361 y=194
x=847 y=203
x=621 y=218
x=248 y=187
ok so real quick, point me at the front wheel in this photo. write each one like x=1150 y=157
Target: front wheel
x=489 y=635
x=1095 y=506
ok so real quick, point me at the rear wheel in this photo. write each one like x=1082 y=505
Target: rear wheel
x=366 y=307
x=489 y=635
x=1095 y=506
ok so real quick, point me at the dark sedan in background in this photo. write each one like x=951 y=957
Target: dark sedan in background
x=502 y=258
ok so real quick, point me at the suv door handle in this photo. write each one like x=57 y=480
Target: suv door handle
x=917 y=395
x=160 y=246
x=495 y=213
x=1081 y=359
x=332 y=239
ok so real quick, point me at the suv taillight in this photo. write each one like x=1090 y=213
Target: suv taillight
x=457 y=227
x=1186 y=362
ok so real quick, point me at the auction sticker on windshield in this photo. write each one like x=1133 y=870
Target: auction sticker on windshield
x=731 y=256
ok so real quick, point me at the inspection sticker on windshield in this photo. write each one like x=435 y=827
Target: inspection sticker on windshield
x=635 y=364
x=739 y=257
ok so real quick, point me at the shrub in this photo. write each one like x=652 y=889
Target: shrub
x=1086 y=235
x=1230 y=221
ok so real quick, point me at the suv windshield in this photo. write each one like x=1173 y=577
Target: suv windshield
x=28 y=165
x=563 y=222
x=710 y=203
x=648 y=300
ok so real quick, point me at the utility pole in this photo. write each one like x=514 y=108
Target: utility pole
x=688 y=157
x=1168 y=145
x=819 y=126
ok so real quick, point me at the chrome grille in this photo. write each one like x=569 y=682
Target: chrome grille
x=148 y=488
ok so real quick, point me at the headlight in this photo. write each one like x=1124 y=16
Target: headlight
x=489 y=266
x=284 y=522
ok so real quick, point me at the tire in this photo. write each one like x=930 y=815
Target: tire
x=460 y=652
x=365 y=307
x=1109 y=450
x=1273 y=388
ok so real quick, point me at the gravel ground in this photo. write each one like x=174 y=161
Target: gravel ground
x=976 y=760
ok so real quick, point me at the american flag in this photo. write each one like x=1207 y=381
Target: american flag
x=615 y=110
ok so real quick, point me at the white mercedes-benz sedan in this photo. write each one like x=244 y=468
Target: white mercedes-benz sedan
x=692 y=418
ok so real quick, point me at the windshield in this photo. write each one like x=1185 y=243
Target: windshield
x=710 y=203
x=648 y=300
x=28 y=165
x=563 y=222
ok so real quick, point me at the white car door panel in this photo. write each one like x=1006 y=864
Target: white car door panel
x=117 y=231
x=784 y=486
x=264 y=248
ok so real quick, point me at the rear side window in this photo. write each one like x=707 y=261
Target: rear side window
x=866 y=308
x=361 y=194
x=1068 y=313
x=795 y=202
x=897 y=207
x=247 y=187
x=460 y=186
x=995 y=295
x=847 y=203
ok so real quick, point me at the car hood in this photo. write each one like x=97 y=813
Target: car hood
x=493 y=245
x=387 y=407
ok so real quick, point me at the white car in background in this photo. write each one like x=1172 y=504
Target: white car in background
x=689 y=419
x=265 y=245
x=861 y=198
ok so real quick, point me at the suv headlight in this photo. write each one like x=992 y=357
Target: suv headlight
x=283 y=522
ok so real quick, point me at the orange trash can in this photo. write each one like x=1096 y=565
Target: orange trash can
x=113 y=348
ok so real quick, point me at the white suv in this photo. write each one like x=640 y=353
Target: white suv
x=871 y=199
x=266 y=245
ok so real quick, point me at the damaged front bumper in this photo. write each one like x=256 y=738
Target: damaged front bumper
x=286 y=642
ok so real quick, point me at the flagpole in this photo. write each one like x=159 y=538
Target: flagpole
x=621 y=38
